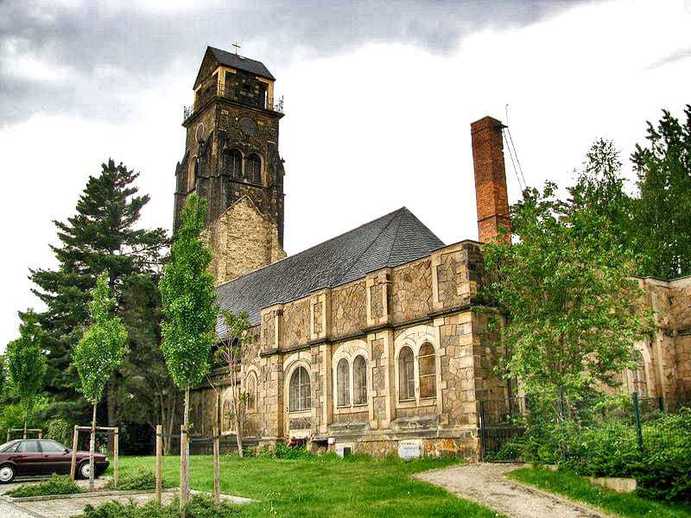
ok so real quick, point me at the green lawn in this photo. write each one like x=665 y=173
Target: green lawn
x=578 y=488
x=324 y=486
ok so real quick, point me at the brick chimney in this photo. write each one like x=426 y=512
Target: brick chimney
x=490 y=179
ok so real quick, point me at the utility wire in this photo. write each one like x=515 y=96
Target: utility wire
x=513 y=152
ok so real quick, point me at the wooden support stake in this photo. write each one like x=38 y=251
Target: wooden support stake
x=184 y=463
x=116 y=458
x=73 y=464
x=159 y=470
x=217 y=466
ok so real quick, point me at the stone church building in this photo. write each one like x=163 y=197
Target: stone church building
x=375 y=337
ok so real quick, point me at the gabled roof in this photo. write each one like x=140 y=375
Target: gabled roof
x=391 y=240
x=223 y=57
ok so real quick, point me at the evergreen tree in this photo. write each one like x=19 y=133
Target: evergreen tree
x=663 y=212
x=100 y=237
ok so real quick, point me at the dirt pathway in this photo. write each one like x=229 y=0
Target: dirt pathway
x=486 y=485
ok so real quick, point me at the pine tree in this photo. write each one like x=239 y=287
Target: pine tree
x=100 y=237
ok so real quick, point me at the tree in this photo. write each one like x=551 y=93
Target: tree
x=101 y=236
x=26 y=365
x=663 y=211
x=99 y=353
x=189 y=315
x=147 y=394
x=573 y=311
x=233 y=347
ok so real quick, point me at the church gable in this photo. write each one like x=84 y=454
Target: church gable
x=242 y=240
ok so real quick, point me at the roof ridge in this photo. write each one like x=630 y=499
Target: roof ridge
x=355 y=261
x=395 y=236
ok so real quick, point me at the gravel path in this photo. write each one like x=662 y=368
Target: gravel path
x=486 y=485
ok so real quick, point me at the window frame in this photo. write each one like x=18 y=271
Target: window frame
x=300 y=402
x=432 y=374
x=409 y=376
x=362 y=383
x=345 y=381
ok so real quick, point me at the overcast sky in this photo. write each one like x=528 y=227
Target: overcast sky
x=379 y=96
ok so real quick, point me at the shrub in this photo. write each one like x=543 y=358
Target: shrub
x=135 y=480
x=283 y=451
x=55 y=485
x=198 y=507
x=610 y=449
x=60 y=430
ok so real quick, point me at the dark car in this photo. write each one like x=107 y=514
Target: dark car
x=23 y=457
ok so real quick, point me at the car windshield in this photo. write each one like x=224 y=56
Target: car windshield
x=8 y=445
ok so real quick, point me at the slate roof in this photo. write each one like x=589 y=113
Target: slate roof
x=252 y=66
x=393 y=239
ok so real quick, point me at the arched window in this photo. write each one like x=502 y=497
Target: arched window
x=428 y=374
x=251 y=393
x=232 y=163
x=253 y=169
x=299 y=394
x=406 y=374
x=227 y=416
x=359 y=381
x=343 y=383
x=193 y=173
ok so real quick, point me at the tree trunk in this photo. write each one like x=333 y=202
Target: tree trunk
x=25 y=420
x=92 y=447
x=238 y=433
x=184 y=456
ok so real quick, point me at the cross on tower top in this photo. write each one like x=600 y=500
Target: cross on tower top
x=237 y=46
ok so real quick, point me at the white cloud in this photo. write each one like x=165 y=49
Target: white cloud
x=372 y=129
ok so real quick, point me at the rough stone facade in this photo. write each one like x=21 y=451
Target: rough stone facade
x=665 y=361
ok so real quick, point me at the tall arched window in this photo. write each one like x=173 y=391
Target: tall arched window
x=253 y=169
x=232 y=165
x=428 y=373
x=359 y=381
x=299 y=391
x=251 y=393
x=193 y=173
x=227 y=416
x=406 y=374
x=343 y=383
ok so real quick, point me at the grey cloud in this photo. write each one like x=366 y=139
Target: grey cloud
x=141 y=44
x=671 y=58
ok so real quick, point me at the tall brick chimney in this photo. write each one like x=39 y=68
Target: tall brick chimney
x=490 y=179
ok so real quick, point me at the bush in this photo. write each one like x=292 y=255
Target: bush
x=198 y=507
x=135 y=480
x=60 y=430
x=55 y=485
x=610 y=449
x=283 y=451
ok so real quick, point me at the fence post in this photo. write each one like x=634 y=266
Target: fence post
x=482 y=430
x=217 y=465
x=116 y=457
x=73 y=463
x=637 y=415
x=159 y=452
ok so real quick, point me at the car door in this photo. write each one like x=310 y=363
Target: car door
x=54 y=458
x=28 y=457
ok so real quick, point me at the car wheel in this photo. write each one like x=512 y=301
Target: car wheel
x=6 y=474
x=84 y=470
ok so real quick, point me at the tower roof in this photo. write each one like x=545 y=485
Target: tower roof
x=391 y=240
x=230 y=59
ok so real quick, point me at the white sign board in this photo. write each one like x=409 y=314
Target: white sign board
x=343 y=450
x=410 y=449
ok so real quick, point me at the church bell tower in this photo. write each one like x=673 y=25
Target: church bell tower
x=231 y=159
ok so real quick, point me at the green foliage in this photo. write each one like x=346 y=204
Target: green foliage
x=26 y=364
x=102 y=348
x=55 y=485
x=663 y=211
x=188 y=296
x=577 y=488
x=100 y=236
x=60 y=430
x=610 y=448
x=198 y=507
x=572 y=309
x=139 y=479
x=283 y=451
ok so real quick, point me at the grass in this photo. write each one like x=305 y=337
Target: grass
x=322 y=486
x=580 y=489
